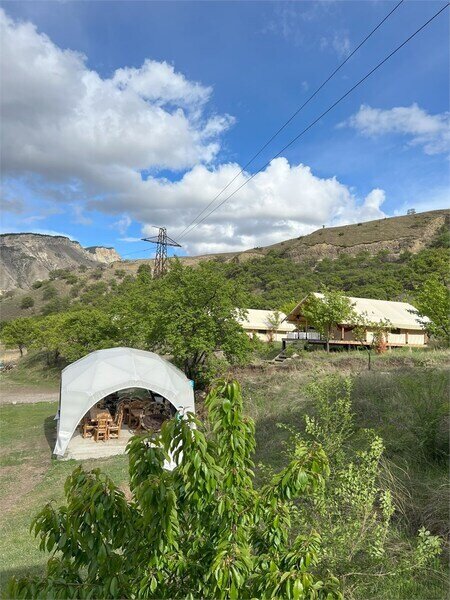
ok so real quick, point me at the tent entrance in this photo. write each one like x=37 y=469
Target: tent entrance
x=107 y=426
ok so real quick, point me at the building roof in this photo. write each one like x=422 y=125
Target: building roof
x=401 y=315
x=259 y=319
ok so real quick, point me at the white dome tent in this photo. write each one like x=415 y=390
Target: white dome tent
x=91 y=378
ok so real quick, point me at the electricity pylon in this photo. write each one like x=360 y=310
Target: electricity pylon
x=162 y=240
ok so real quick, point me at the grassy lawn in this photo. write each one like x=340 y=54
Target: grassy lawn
x=30 y=373
x=30 y=478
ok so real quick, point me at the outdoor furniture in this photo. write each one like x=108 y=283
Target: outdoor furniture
x=86 y=427
x=115 y=427
x=101 y=430
x=135 y=413
x=96 y=413
x=152 y=422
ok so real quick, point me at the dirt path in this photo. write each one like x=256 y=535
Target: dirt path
x=27 y=396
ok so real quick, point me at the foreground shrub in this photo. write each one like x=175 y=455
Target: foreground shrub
x=353 y=511
x=199 y=531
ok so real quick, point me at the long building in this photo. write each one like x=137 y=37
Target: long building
x=404 y=327
x=267 y=325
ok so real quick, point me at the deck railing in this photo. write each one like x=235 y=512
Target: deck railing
x=304 y=335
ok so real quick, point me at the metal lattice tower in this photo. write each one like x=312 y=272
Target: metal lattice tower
x=162 y=240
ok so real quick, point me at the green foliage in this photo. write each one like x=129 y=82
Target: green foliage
x=195 y=310
x=55 y=305
x=353 y=512
x=37 y=284
x=327 y=311
x=18 y=333
x=71 y=278
x=74 y=334
x=96 y=274
x=26 y=302
x=190 y=314
x=199 y=531
x=144 y=272
x=120 y=273
x=433 y=301
x=49 y=292
x=59 y=274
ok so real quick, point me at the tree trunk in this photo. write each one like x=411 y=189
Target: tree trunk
x=328 y=344
x=21 y=350
x=370 y=360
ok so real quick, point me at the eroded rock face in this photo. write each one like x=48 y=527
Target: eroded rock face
x=104 y=255
x=27 y=257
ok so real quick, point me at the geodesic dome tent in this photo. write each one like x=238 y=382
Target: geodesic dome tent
x=91 y=378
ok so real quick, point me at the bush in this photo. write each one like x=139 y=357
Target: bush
x=59 y=274
x=120 y=273
x=71 y=279
x=49 y=292
x=37 y=284
x=97 y=274
x=55 y=305
x=26 y=302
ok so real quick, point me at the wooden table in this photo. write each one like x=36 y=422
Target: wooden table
x=95 y=413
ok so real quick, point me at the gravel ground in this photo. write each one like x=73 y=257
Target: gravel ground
x=27 y=396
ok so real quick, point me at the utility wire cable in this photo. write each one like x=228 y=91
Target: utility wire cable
x=381 y=63
x=292 y=117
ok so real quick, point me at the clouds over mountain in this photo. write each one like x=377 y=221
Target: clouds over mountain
x=73 y=138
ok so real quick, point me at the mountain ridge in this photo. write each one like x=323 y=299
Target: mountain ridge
x=28 y=257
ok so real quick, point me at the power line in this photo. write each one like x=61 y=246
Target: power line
x=318 y=118
x=292 y=117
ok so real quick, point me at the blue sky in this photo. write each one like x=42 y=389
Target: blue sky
x=99 y=144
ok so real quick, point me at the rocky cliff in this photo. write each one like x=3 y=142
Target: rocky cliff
x=27 y=257
x=103 y=255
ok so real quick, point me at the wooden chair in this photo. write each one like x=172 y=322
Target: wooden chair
x=134 y=420
x=86 y=427
x=114 y=428
x=101 y=430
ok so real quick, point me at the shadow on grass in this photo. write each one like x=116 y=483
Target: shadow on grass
x=7 y=574
x=50 y=431
x=270 y=438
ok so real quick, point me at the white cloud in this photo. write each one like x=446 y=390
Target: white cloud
x=130 y=239
x=62 y=120
x=341 y=44
x=432 y=132
x=283 y=201
x=122 y=224
x=73 y=139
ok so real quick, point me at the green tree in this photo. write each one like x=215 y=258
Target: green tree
x=193 y=315
x=199 y=531
x=86 y=330
x=433 y=301
x=48 y=337
x=26 y=302
x=18 y=333
x=328 y=311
